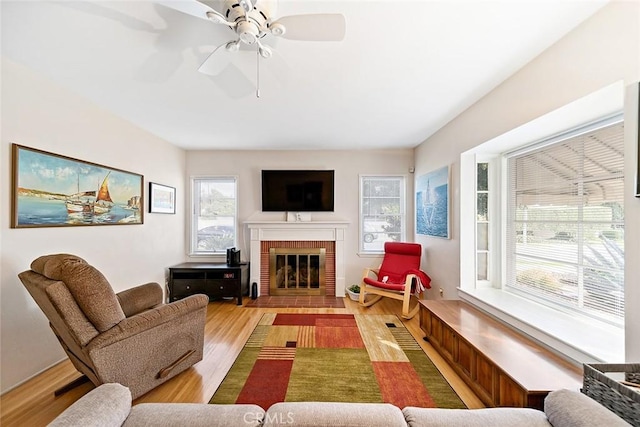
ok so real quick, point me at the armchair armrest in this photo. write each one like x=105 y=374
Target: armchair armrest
x=367 y=272
x=140 y=298
x=149 y=319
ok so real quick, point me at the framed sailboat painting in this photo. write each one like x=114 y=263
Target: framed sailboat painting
x=432 y=203
x=51 y=190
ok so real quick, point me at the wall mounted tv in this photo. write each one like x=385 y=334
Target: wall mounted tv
x=297 y=190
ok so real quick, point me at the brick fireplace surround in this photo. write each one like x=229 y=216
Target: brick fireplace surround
x=296 y=234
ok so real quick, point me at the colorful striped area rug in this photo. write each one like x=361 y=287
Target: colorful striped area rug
x=334 y=358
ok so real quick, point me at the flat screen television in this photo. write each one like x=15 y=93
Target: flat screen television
x=297 y=190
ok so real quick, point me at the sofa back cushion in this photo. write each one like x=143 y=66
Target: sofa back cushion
x=91 y=290
x=338 y=414
x=570 y=408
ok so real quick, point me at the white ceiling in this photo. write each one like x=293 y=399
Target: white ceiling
x=404 y=69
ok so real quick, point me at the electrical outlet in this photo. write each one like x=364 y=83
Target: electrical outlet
x=441 y=292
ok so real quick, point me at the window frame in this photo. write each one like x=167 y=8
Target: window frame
x=402 y=179
x=506 y=228
x=193 y=218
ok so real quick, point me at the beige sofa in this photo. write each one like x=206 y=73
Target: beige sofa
x=110 y=405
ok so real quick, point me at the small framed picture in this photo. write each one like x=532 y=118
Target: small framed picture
x=162 y=198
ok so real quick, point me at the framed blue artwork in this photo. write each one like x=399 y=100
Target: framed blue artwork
x=432 y=203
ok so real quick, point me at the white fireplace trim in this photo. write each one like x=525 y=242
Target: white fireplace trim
x=334 y=231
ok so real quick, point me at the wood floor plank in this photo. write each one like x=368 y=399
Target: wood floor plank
x=228 y=328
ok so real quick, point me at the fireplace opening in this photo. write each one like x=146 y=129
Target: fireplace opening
x=297 y=271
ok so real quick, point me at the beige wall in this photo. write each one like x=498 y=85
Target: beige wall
x=348 y=165
x=39 y=114
x=603 y=50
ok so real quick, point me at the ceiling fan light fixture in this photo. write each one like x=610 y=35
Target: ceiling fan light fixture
x=217 y=18
x=277 y=29
x=233 y=46
x=247 y=5
x=248 y=32
x=265 y=51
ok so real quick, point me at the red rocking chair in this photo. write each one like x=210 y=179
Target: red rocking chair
x=398 y=277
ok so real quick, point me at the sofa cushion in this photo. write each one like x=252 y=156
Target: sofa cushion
x=334 y=414
x=194 y=415
x=89 y=287
x=494 y=417
x=104 y=406
x=567 y=408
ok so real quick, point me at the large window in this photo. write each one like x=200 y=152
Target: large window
x=565 y=222
x=382 y=211
x=213 y=223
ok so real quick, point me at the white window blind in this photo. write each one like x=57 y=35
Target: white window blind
x=565 y=225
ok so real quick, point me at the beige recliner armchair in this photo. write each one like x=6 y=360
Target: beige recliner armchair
x=131 y=338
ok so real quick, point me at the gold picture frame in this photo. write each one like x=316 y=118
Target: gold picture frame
x=52 y=190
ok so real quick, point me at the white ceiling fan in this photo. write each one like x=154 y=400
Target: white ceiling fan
x=253 y=20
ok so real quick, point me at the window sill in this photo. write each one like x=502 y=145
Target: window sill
x=578 y=338
x=370 y=254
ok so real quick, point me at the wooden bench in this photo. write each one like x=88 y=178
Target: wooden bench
x=503 y=367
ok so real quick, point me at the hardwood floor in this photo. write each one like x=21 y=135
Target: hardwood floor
x=227 y=329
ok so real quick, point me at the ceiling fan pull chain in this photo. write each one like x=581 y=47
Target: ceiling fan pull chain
x=258 y=72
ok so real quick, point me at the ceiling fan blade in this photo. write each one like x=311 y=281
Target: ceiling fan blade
x=195 y=8
x=314 y=27
x=217 y=61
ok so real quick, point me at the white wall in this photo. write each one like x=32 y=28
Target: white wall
x=348 y=165
x=39 y=114
x=601 y=51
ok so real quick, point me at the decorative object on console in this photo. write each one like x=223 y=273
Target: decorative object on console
x=432 y=203
x=85 y=193
x=399 y=277
x=162 y=198
x=233 y=256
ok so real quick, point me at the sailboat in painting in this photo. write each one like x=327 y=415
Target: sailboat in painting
x=87 y=203
x=103 y=200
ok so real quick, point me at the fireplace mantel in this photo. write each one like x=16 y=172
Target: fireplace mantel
x=332 y=230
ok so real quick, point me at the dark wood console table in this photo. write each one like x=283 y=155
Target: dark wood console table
x=502 y=366
x=216 y=280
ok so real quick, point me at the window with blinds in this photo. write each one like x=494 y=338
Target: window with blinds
x=565 y=222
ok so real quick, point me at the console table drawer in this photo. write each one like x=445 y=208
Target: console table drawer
x=186 y=287
x=223 y=287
